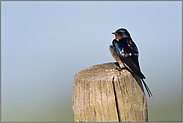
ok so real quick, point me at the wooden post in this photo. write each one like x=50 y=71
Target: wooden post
x=103 y=94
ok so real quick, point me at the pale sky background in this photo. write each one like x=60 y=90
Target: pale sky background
x=44 y=44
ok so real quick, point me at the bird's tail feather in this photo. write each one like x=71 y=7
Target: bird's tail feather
x=147 y=88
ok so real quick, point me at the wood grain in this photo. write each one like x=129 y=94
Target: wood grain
x=103 y=94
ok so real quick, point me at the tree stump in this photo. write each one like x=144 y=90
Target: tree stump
x=103 y=94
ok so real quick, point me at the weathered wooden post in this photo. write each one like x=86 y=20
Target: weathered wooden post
x=103 y=94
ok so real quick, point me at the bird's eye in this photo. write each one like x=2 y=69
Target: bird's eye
x=120 y=33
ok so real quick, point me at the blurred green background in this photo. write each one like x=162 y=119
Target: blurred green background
x=44 y=44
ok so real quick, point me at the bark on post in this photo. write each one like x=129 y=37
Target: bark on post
x=103 y=94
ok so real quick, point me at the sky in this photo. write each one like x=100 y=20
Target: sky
x=45 y=43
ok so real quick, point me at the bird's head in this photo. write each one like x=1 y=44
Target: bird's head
x=121 y=33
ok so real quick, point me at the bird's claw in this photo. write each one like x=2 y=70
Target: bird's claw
x=119 y=69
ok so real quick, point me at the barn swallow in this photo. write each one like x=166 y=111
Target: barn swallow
x=125 y=52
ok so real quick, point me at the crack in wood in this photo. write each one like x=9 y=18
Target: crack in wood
x=118 y=112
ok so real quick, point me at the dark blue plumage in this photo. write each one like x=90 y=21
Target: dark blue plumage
x=125 y=52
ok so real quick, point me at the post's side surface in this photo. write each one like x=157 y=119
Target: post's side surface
x=103 y=94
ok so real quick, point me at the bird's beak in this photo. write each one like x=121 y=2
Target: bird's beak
x=114 y=33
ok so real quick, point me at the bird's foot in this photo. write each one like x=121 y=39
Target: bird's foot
x=120 y=69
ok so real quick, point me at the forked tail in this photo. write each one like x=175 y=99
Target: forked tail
x=147 y=89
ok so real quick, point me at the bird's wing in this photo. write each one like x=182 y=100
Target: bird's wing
x=133 y=53
x=128 y=53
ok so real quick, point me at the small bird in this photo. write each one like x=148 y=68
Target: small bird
x=125 y=52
